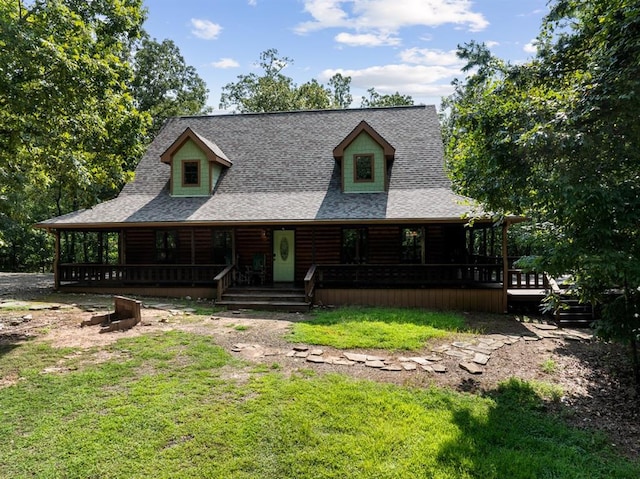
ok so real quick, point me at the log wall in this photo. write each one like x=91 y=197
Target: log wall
x=140 y=246
x=313 y=245
x=252 y=241
x=327 y=241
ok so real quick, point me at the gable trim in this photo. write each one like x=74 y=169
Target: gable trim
x=207 y=147
x=363 y=126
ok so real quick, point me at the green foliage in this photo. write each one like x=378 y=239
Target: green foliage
x=341 y=91
x=69 y=133
x=549 y=366
x=274 y=91
x=377 y=100
x=517 y=394
x=75 y=103
x=164 y=85
x=169 y=405
x=555 y=139
x=621 y=322
x=383 y=328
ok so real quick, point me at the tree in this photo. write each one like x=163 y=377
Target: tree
x=341 y=86
x=270 y=92
x=310 y=96
x=274 y=91
x=70 y=135
x=164 y=85
x=555 y=139
x=377 y=100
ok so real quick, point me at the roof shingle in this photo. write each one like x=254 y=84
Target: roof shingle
x=283 y=170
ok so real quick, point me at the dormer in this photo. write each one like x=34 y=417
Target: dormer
x=364 y=157
x=196 y=164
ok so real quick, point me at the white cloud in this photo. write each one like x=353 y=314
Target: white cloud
x=531 y=47
x=425 y=56
x=326 y=13
x=390 y=15
x=414 y=80
x=205 y=29
x=366 y=40
x=226 y=63
x=491 y=43
x=535 y=13
x=253 y=3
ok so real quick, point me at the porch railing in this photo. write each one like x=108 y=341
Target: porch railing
x=405 y=275
x=318 y=276
x=142 y=274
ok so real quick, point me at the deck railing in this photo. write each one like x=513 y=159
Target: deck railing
x=408 y=275
x=318 y=276
x=520 y=279
x=142 y=274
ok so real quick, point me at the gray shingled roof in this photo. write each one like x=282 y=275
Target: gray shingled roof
x=283 y=171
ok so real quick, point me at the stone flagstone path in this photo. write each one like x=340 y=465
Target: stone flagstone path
x=473 y=355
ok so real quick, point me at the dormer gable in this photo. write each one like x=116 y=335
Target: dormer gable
x=196 y=164
x=364 y=156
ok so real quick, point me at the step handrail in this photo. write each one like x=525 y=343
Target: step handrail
x=223 y=280
x=310 y=283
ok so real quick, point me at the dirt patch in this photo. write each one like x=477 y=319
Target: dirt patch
x=595 y=376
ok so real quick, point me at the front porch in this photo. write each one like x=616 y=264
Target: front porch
x=471 y=287
x=444 y=266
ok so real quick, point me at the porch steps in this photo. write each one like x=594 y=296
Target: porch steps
x=265 y=299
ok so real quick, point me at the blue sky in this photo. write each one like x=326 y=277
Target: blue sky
x=391 y=45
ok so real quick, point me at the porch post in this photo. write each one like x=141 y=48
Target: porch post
x=56 y=261
x=193 y=246
x=122 y=255
x=505 y=267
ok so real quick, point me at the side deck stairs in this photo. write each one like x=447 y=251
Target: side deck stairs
x=572 y=313
x=575 y=314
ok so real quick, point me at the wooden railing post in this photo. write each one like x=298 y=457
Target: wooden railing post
x=56 y=262
x=223 y=280
x=505 y=267
x=310 y=283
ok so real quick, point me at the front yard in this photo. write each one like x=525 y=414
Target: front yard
x=191 y=394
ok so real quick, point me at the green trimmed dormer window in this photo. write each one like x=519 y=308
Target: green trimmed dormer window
x=365 y=158
x=196 y=165
x=363 y=168
x=191 y=173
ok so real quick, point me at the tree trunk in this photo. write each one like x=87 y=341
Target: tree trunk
x=636 y=363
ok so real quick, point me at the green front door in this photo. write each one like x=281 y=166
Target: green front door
x=283 y=256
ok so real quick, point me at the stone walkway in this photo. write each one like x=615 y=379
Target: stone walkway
x=473 y=355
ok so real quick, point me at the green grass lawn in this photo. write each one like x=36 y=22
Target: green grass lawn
x=175 y=405
x=376 y=328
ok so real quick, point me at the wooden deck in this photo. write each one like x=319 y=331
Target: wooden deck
x=462 y=287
